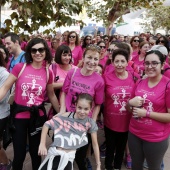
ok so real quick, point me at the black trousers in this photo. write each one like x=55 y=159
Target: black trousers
x=115 y=147
x=56 y=163
x=81 y=155
x=19 y=145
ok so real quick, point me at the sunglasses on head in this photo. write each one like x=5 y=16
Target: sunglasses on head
x=72 y=36
x=102 y=47
x=40 y=50
x=135 y=40
x=161 y=41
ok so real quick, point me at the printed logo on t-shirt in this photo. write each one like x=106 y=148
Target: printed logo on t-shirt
x=120 y=100
x=31 y=91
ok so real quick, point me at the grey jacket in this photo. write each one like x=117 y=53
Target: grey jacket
x=4 y=106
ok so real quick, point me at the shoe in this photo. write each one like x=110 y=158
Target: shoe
x=102 y=154
x=145 y=165
x=88 y=164
x=103 y=147
x=128 y=162
x=100 y=124
x=9 y=166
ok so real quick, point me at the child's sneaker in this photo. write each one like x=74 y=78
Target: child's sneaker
x=88 y=163
x=103 y=147
x=102 y=154
x=128 y=162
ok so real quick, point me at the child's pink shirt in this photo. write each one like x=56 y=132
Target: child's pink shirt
x=92 y=84
x=156 y=99
x=77 y=54
x=117 y=94
x=30 y=86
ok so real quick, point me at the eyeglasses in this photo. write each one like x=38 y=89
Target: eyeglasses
x=161 y=41
x=110 y=50
x=40 y=50
x=72 y=36
x=153 y=64
x=135 y=40
x=102 y=47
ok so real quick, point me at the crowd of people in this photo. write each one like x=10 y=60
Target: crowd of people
x=117 y=83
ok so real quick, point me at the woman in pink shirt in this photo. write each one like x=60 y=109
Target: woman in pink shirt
x=134 y=42
x=28 y=111
x=82 y=80
x=73 y=43
x=103 y=56
x=139 y=58
x=150 y=124
x=119 y=85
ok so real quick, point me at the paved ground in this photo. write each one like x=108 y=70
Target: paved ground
x=27 y=163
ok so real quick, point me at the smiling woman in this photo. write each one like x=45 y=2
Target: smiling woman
x=28 y=111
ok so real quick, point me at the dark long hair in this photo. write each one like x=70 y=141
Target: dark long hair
x=33 y=42
x=2 y=61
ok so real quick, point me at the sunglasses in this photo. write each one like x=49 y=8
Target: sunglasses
x=110 y=50
x=72 y=36
x=135 y=40
x=161 y=41
x=106 y=39
x=88 y=39
x=40 y=50
x=102 y=47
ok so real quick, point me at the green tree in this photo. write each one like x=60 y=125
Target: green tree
x=157 y=18
x=31 y=14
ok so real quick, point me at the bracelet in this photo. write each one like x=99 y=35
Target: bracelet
x=148 y=113
x=99 y=163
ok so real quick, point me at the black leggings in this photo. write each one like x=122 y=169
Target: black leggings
x=115 y=147
x=3 y=123
x=81 y=155
x=152 y=151
x=19 y=144
x=56 y=163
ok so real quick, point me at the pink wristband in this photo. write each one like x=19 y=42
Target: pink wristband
x=148 y=113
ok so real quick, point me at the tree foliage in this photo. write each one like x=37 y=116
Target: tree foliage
x=157 y=18
x=31 y=14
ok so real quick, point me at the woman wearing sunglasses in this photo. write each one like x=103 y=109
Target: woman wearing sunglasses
x=86 y=42
x=150 y=107
x=134 y=42
x=73 y=43
x=163 y=40
x=28 y=108
x=103 y=56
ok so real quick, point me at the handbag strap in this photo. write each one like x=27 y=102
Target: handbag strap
x=73 y=74
x=22 y=70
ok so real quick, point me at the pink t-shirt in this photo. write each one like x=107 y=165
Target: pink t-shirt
x=77 y=54
x=167 y=70
x=23 y=45
x=60 y=73
x=156 y=99
x=139 y=64
x=103 y=60
x=117 y=93
x=92 y=84
x=30 y=86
